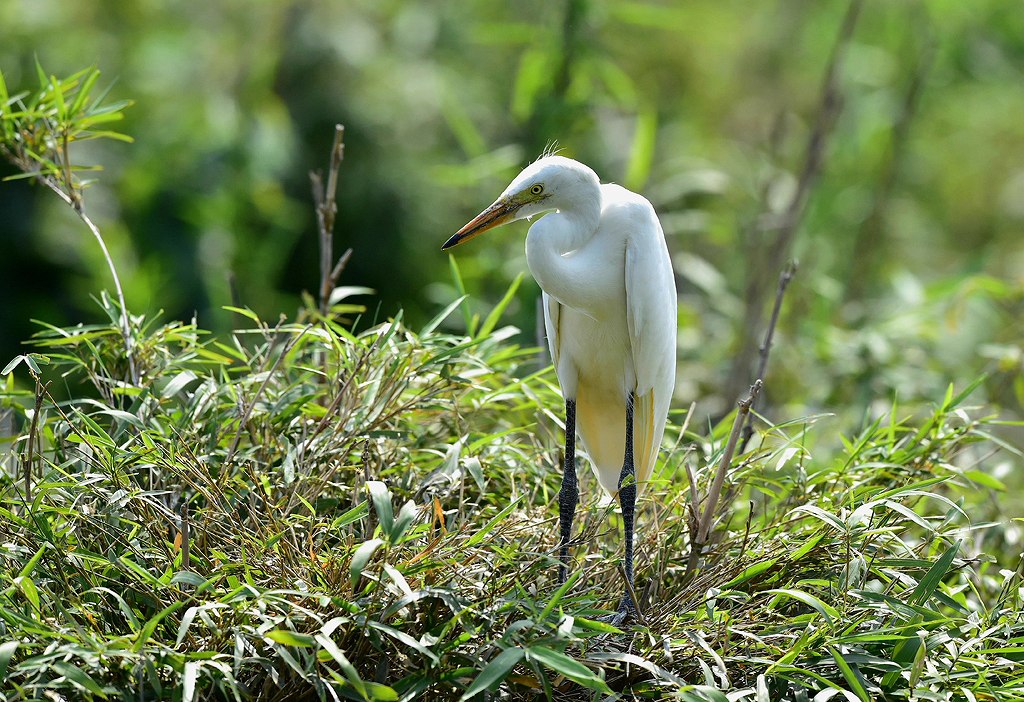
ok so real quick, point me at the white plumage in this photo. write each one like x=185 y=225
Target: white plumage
x=599 y=255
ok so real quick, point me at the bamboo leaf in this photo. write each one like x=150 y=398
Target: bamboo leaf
x=494 y=672
x=79 y=678
x=150 y=626
x=933 y=578
x=441 y=316
x=827 y=611
x=361 y=558
x=852 y=677
x=290 y=638
x=7 y=650
x=481 y=534
x=499 y=309
x=569 y=667
x=381 y=498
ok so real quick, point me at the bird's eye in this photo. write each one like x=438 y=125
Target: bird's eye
x=537 y=189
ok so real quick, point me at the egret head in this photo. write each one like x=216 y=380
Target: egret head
x=549 y=183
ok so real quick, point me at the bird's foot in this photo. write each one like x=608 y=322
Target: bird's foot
x=626 y=613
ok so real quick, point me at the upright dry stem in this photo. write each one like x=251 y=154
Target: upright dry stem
x=326 y=209
x=766 y=346
x=701 y=527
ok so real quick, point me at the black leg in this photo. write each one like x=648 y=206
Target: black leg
x=570 y=492
x=627 y=501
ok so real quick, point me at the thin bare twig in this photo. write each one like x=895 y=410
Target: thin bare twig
x=326 y=209
x=766 y=346
x=632 y=594
x=185 y=535
x=30 y=452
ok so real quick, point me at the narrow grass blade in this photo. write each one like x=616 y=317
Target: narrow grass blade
x=79 y=678
x=491 y=320
x=931 y=580
x=349 y=670
x=441 y=316
x=150 y=626
x=493 y=672
x=852 y=677
x=567 y=666
x=559 y=593
x=290 y=638
x=489 y=526
x=827 y=611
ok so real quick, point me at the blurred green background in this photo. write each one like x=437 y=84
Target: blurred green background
x=911 y=248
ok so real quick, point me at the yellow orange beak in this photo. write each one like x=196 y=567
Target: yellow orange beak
x=494 y=216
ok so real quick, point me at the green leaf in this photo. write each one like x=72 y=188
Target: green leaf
x=750 y=572
x=850 y=675
x=440 y=317
x=658 y=672
x=32 y=562
x=143 y=574
x=406 y=516
x=79 y=678
x=177 y=384
x=83 y=91
x=29 y=590
x=188 y=681
x=495 y=671
x=361 y=557
x=476 y=470
x=827 y=611
x=186 y=622
x=290 y=638
x=933 y=578
x=352 y=515
x=984 y=479
x=245 y=312
x=151 y=625
x=569 y=667
x=559 y=594
x=189 y=578
x=489 y=526
x=349 y=670
x=492 y=319
x=123 y=416
x=806 y=547
x=824 y=516
x=951 y=403
x=381 y=498
x=58 y=99
x=405 y=638
x=7 y=650
x=345 y=291
x=32 y=360
x=13 y=364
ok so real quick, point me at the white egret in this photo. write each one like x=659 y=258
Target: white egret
x=609 y=295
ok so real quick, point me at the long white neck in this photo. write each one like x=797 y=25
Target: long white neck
x=550 y=244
